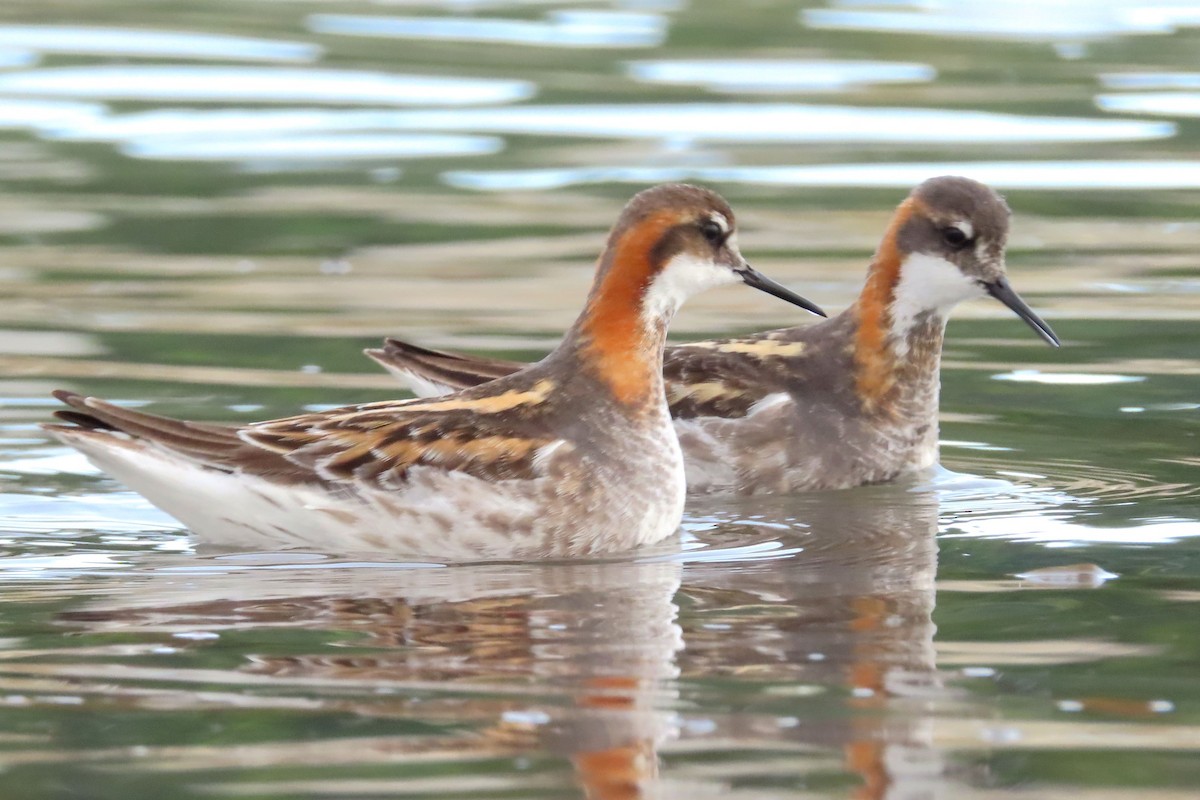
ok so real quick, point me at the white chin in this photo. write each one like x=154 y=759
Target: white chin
x=682 y=277
x=929 y=284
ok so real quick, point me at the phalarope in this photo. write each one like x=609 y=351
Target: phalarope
x=575 y=455
x=847 y=401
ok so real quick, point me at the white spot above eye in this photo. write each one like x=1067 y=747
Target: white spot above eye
x=928 y=284
x=684 y=275
x=966 y=227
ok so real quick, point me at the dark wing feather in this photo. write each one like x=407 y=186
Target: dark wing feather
x=376 y=443
x=380 y=442
x=215 y=446
x=714 y=378
x=726 y=377
x=440 y=367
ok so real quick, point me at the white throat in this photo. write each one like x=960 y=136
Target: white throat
x=683 y=276
x=928 y=285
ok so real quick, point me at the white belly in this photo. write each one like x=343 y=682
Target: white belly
x=438 y=513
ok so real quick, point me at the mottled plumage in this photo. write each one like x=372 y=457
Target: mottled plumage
x=572 y=456
x=847 y=401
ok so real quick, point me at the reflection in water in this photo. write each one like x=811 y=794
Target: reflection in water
x=560 y=29
x=16 y=113
x=146 y=43
x=850 y=615
x=769 y=76
x=260 y=84
x=1065 y=378
x=12 y=57
x=1020 y=20
x=1162 y=103
x=787 y=648
x=1151 y=80
x=767 y=122
x=330 y=147
x=570 y=660
x=744 y=122
x=182 y=123
x=1049 y=175
x=1166 y=104
x=589 y=663
x=991 y=508
x=1060 y=532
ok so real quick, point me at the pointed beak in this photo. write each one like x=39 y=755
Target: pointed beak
x=1002 y=291
x=752 y=277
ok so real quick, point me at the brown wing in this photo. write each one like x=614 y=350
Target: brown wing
x=377 y=443
x=216 y=446
x=719 y=377
x=726 y=377
x=440 y=368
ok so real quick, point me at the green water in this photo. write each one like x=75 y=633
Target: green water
x=1022 y=624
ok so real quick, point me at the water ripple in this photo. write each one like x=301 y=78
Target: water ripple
x=1019 y=20
x=260 y=84
x=1166 y=104
x=18 y=113
x=133 y=42
x=330 y=147
x=683 y=122
x=1151 y=80
x=11 y=57
x=1027 y=175
x=559 y=29
x=1050 y=484
x=762 y=76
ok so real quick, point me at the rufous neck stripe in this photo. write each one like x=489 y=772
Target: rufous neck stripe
x=618 y=345
x=873 y=361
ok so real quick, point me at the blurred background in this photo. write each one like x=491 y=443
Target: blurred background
x=210 y=207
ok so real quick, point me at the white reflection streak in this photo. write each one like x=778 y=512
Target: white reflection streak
x=735 y=122
x=1165 y=104
x=763 y=76
x=560 y=29
x=166 y=44
x=12 y=57
x=1016 y=20
x=310 y=148
x=55 y=567
x=1151 y=80
x=1066 y=378
x=1027 y=175
x=261 y=84
x=1053 y=531
x=17 y=113
x=766 y=122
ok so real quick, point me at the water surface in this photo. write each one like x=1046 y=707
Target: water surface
x=210 y=212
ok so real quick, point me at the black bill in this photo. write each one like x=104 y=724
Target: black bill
x=1002 y=291
x=761 y=282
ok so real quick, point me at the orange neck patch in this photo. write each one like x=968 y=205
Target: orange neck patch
x=873 y=359
x=623 y=350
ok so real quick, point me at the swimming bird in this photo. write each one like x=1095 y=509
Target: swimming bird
x=846 y=401
x=573 y=456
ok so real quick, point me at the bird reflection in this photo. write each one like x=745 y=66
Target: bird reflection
x=850 y=614
x=593 y=664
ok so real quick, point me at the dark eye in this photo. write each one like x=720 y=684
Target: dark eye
x=955 y=237
x=713 y=232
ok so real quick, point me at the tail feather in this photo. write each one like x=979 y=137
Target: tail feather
x=204 y=442
x=434 y=372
